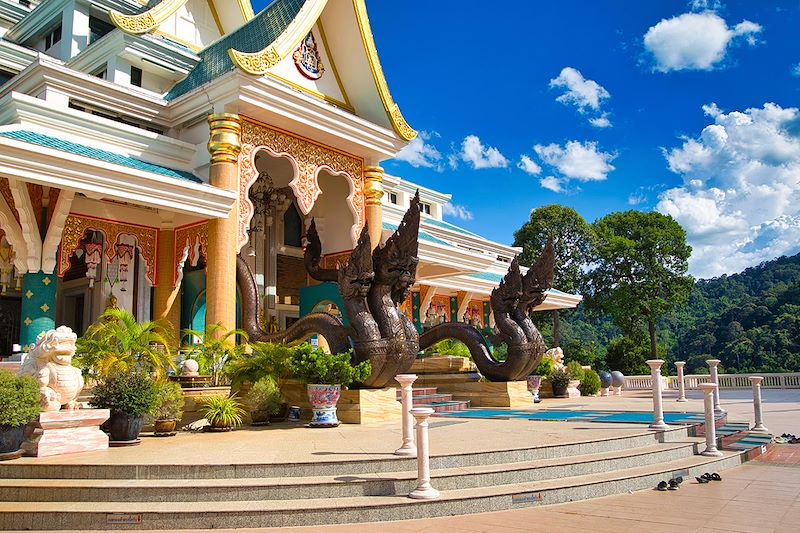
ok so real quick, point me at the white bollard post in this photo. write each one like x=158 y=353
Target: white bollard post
x=424 y=491
x=710 y=429
x=409 y=448
x=712 y=366
x=759 y=427
x=658 y=409
x=681 y=387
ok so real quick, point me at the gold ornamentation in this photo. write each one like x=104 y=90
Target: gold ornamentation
x=308 y=159
x=75 y=228
x=224 y=142
x=148 y=20
x=27 y=321
x=186 y=240
x=256 y=63
x=46 y=281
x=373 y=185
x=45 y=308
x=28 y=294
x=5 y=190
x=399 y=123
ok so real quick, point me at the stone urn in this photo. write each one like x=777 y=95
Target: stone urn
x=323 y=399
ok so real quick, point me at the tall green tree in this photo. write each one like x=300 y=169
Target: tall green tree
x=639 y=270
x=572 y=240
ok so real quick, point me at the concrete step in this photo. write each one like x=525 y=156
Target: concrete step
x=450 y=406
x=355 y=484
x=30 y=469
x=430 y=398
x=91 y=515
x=415 y=392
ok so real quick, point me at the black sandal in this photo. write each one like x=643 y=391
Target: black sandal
x=701 y=480
x=716 y=477
x=662 y=485
x=707 y=476
x=679 y=480
x=673 y=485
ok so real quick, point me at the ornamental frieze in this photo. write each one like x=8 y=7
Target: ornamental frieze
x=191 y=243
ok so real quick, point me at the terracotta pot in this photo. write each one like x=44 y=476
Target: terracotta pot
x=164 y=427
x=323 y=399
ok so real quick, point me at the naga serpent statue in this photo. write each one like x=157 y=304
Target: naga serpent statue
x=374 y=285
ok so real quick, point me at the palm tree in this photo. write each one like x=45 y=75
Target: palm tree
x=118 y=343
x=216 y=348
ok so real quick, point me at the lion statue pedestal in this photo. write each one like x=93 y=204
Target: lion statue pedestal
x=61 y=427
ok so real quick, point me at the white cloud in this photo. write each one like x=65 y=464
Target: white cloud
x=529 y=166
x=695 y=41
x=552 y=183
x=796 y=70
x=419 y=153
x=478 y=155
x=586 y=95
x=457 y=211
x=740 y=201
x=705 y=5
x=636 y=198
x=576 y=160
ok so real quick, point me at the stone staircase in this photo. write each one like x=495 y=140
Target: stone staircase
x=169 y=496
x=439 y=402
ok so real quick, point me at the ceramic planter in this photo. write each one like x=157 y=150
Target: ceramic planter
x=164 y=428
x=534 y=382
x=11 y=438
x=323 y=399
x=124 y=428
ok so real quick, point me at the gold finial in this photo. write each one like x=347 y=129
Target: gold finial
x=224 y=141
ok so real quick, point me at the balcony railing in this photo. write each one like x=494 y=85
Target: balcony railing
x=787 y=380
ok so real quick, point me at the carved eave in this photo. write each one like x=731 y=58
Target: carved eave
x=147 y=20
x=396 y=118
x=257 y=63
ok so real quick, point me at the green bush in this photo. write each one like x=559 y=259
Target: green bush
x=264 y=396
x=223 y=411
x=315 y=366
x=133 y=393
x=20 y=400
x=590 y=383
x=267 y=359
x=575 y=370
x=169 y=405
x=545 y=367
x=450 y=347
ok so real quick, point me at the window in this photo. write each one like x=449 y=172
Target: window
x=101 y=73
x=25 y=3
x=98 y=28
x=393 y=198
x=136 y=76
x=5 y=76
x=292 y=227
x=425 y=208
x=116 y=117
x=52 y=38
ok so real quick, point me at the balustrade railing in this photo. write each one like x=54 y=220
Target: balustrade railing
x=788 y=380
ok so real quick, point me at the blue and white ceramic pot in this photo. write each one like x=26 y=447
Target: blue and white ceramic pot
x=323 y=399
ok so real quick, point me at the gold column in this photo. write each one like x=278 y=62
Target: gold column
x=224 y=144
x=167 y=301
x=373 y=192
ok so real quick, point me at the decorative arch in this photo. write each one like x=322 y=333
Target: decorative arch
x=188 y=239
x=308 y=159
x=75 y=228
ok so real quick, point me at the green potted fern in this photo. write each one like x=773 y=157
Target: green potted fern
x=324 y=376
x=20 y=403
x=222 y=412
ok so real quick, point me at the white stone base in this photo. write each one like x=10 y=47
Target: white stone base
x=61 y=432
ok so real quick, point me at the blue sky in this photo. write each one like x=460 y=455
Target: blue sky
x=689 y=108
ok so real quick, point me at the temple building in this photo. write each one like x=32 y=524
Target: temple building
x=144 y=144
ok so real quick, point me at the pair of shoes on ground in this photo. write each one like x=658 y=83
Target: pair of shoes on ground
x=705 y=478
x=787 y=438
x=673 y=484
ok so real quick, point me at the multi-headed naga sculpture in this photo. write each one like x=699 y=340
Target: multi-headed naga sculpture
x=374 y=285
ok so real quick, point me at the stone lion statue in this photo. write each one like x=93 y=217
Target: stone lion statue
x=49 y=362
x=557 y=355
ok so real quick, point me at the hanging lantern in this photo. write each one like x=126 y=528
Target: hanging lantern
x=124 y=256
x=93 y=254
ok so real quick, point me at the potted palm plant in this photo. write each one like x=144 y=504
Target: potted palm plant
x=118 y=343
x=222 y=412
x=169 y=408
x=130 y=396
x=324 y=376
x=19 y=404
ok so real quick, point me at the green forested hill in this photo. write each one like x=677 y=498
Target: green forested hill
x=750 y=321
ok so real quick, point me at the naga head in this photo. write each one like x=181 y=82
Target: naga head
x=539 y=278
x=355 y=277
x=396 y=261
x=505 y=297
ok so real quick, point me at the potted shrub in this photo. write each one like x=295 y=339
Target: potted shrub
x=324 y=375
x=117 y=343
x=576 y=373
x=222 y=412
x=560 y=379
x=129 y=396
x=168 y=409
x=263 y=400
x=590 y=384
x=20 y=403
x=215 y=350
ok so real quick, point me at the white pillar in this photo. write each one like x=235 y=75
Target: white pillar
x=424 y=491
x=409 y=448
x=759 y=427
x=712 y=366
x=681 y=387
x=658 y=409
x=710 y=429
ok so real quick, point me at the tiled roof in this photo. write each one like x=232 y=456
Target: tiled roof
x=422 y=235
x=97 y=154
x=487 y=276
x=447 y=225
x=252 y=37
